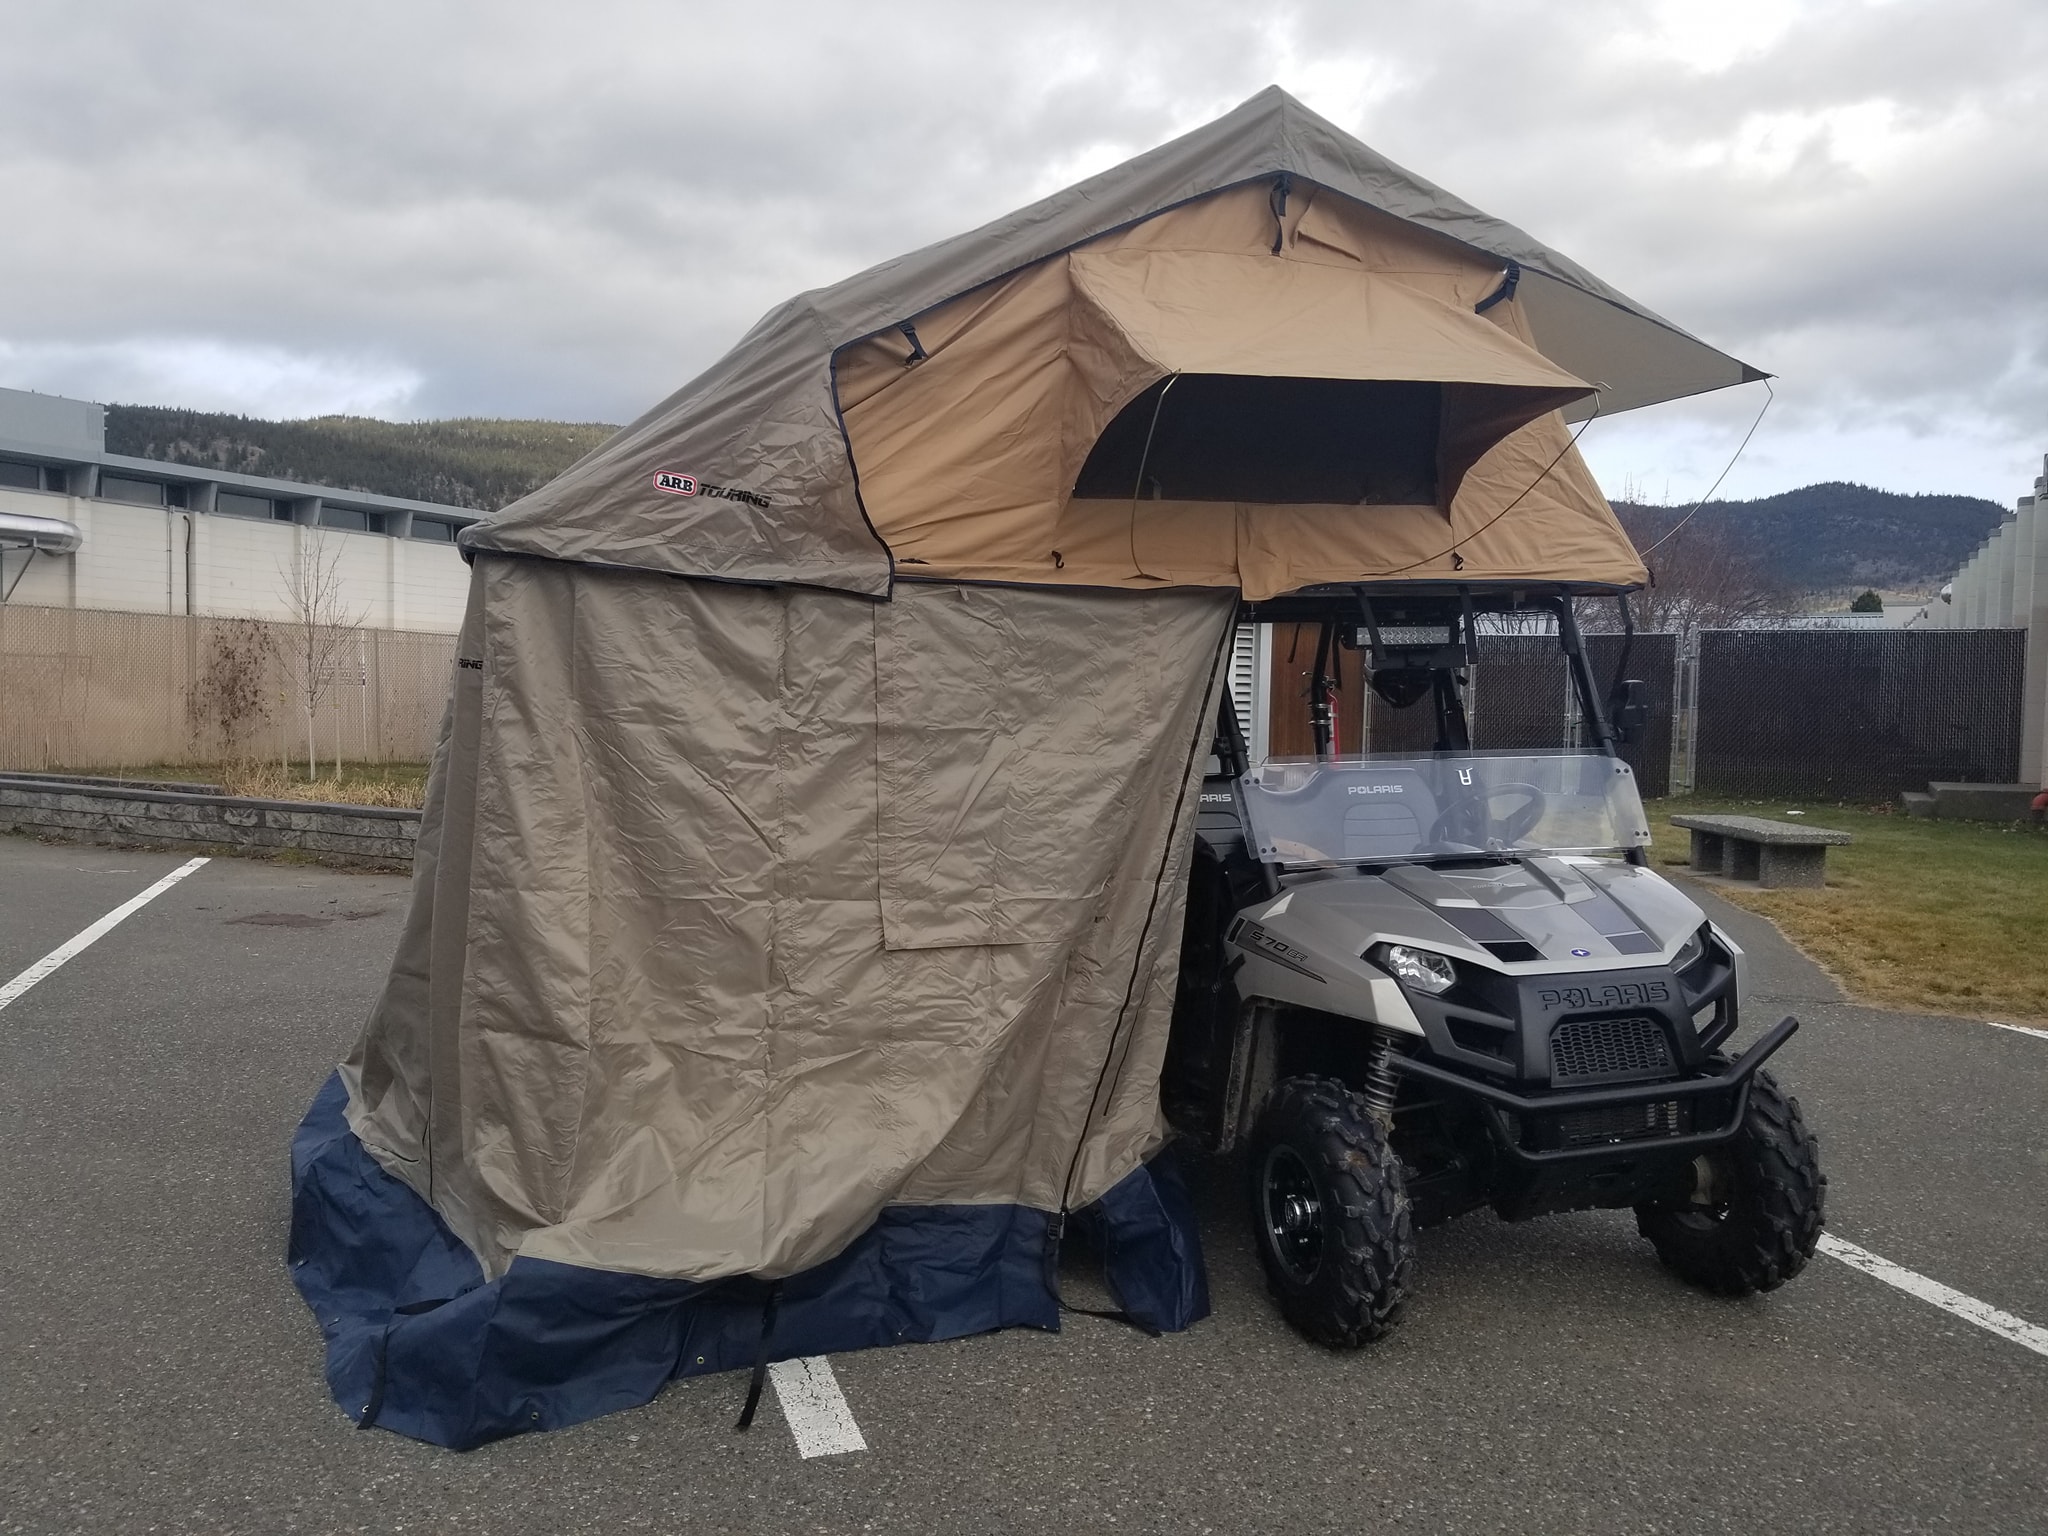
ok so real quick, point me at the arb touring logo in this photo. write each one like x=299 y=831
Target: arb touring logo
x=677 y=484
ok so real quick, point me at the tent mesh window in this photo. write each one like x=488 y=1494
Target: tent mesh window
x=1213 y=437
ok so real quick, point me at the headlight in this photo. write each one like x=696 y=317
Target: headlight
x=1690 y=950
x=1422 y=969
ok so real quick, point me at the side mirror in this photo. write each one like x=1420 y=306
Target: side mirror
x=1628 y=710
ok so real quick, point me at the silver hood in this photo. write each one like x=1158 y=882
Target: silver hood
x=1538 y=916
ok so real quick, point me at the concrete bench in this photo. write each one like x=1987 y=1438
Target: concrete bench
x=1772 y=853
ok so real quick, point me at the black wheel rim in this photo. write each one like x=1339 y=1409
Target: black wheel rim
x=1706 y=1212
x=1291 y=1214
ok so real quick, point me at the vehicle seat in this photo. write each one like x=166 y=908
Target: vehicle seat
x=1390 y=822
x=1219 y=819
x=1384 y=811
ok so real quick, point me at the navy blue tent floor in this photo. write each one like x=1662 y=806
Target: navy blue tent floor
x=420 y=1343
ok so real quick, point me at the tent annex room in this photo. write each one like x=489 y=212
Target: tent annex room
x=795 y=917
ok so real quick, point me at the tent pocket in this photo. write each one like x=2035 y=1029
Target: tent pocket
x=998 y=796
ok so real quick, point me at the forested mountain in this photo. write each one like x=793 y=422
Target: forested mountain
x=469 y=462
x=1837 y=537
x=1829 y=538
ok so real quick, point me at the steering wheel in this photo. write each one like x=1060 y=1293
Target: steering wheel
x=1469 y=820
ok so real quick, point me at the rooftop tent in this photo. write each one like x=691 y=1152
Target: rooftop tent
x=765 y=420
x=803 y=928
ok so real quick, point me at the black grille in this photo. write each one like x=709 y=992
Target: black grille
x=1583 y=1049
x=1623 y=1122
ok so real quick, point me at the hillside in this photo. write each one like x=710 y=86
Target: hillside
x=470 y=462
x=1837 y=537
x=1829 y=538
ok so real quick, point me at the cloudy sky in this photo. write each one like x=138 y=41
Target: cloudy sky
x=419 y=209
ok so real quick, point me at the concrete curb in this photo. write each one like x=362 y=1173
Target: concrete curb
x=173 y=786
x=371 y=836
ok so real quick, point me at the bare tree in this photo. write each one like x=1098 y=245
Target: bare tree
x=1701 y=577
x=321 y=636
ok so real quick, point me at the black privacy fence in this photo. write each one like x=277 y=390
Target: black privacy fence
x=1856 y=714
x=1826 y=713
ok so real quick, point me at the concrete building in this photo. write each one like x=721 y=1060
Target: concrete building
x=2004 y=585
x=82 y=528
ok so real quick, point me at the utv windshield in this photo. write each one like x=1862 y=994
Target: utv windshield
x=1349 y=810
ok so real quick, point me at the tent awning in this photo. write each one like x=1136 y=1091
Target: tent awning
x=1218 y=312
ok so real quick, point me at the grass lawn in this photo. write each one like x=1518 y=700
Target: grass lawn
x=400 y=784
x=1941 y=916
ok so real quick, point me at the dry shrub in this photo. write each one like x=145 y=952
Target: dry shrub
x=230 y=698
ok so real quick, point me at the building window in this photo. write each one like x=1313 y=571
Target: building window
x=433 y=530
x=237 y=504
x=16 y=476
x=143 y=493
x=350 y=519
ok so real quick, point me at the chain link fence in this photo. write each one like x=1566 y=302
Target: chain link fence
x=1855 y=714
x=85 y=689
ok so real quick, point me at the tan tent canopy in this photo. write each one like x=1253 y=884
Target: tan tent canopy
x=1180 y=400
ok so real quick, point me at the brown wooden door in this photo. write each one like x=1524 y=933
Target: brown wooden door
x=1294 y=661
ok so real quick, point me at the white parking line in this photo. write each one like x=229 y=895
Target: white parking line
x=1968 y=1308
x=2020 y=1029
x=92 y=935
x=815 y=1407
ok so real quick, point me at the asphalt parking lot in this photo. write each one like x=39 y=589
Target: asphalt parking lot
x=158 y=1372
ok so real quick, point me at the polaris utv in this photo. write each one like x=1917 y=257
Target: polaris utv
x=1412 y=985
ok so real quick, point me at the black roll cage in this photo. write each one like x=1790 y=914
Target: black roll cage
x=1376 y=613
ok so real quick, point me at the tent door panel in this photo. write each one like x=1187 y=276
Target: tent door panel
x=1014 y=727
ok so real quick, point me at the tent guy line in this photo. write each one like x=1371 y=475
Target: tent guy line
x=815 y=1408
x=86 y=938
x=2021 y=1332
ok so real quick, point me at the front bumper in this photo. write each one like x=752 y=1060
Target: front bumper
x=1509 y=1115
